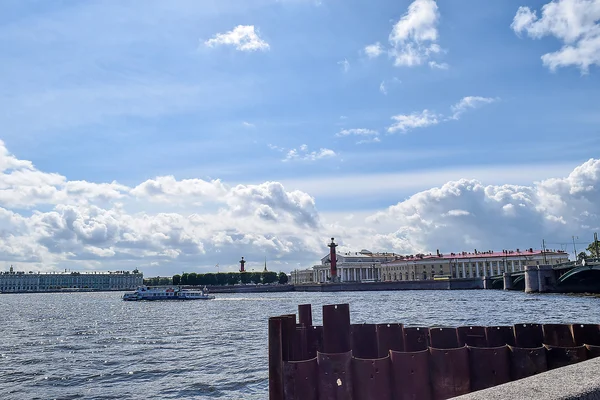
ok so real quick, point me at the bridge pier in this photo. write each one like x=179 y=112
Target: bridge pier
x=531 y=279
x=546 y=279
x=487 y=282
x=508 y=283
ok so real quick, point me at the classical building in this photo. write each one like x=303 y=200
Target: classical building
x=300 y=276
x=466 y=264
x=365 y=266
x=11 y=281
x=353 y=267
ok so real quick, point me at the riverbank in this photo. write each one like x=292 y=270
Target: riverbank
x=450 y=284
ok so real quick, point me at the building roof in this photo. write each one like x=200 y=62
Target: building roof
x=480 y=254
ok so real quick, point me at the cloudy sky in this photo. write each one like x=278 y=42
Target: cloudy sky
x=172 y=136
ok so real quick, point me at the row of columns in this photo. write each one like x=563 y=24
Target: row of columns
x=349 y=274
x=490 y=272
x=357 y=274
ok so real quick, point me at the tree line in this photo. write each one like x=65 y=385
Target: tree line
x=592 y=251
x=158 y=281
x=229 y=278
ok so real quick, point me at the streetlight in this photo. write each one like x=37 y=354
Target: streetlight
x=574 y=249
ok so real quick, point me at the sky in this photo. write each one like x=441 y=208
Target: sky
x=180 y=136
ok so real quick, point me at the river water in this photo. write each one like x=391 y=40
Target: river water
x=96 y=346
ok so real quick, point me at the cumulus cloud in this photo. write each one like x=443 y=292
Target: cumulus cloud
x=574 y=22
x=374 y=50
x=172 y=225
x=162 y=221
x=242 y=37
x=414 y=37
x=406 y=122
x=466 y=213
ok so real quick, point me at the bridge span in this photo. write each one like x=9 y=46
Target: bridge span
x=572 y=277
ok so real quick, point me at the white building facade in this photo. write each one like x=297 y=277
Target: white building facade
x=13 y=282
x=302 y=276
x=363 y=266
x=466 y=264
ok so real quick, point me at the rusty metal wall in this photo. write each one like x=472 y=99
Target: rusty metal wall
x=344 y=361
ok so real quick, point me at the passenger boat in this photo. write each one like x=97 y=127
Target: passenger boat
x=167 y=293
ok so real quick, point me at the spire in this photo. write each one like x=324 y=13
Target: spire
x=265 y=264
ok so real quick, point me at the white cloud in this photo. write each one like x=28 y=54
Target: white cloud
x=469 y=102
x=248 y=124
x=374 y=139
x=406 y=122
x=465 y=213
x=88 y=225
x=401 y=184
x=374 y=50
x=276 y=148
x=357 y=131
x=193 y=224
x=382 y=87
x=574 y=22
x=302 y=153
x=435 y=65
x=345 y=65
x=414 y=37
x=243 y=37
x=456 y=213
x=372 y=136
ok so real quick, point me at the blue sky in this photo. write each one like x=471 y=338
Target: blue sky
x=129 y=91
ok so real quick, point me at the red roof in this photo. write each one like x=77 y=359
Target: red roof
x=479 y=254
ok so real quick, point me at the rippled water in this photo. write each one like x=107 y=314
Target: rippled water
x=96 y=346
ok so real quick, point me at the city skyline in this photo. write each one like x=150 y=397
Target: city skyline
x=175 y=137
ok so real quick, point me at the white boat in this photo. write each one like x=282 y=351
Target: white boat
x=167 y=293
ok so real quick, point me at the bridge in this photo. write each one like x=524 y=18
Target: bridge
x=572 y=277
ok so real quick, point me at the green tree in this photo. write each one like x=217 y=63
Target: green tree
x=202 y=280
x=269 y=277
x=184 y=278
x=222 y=279
x=581 y=256
x=233 y=278
x=594 y=248
x=165 y=281
x=193 y=278
x=245 y=277
x=210 y=279
x=283 y=278
x=256 y=277
x=176 y=280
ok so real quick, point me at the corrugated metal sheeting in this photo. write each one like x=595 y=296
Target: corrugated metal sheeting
x=345 y=361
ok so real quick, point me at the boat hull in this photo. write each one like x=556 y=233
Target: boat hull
x=171 y=298
x=145 y=293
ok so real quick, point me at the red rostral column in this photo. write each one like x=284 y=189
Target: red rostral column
x=242 y=262
x=333 y=260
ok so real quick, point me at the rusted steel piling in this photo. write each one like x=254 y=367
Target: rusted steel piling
x=345 y=361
